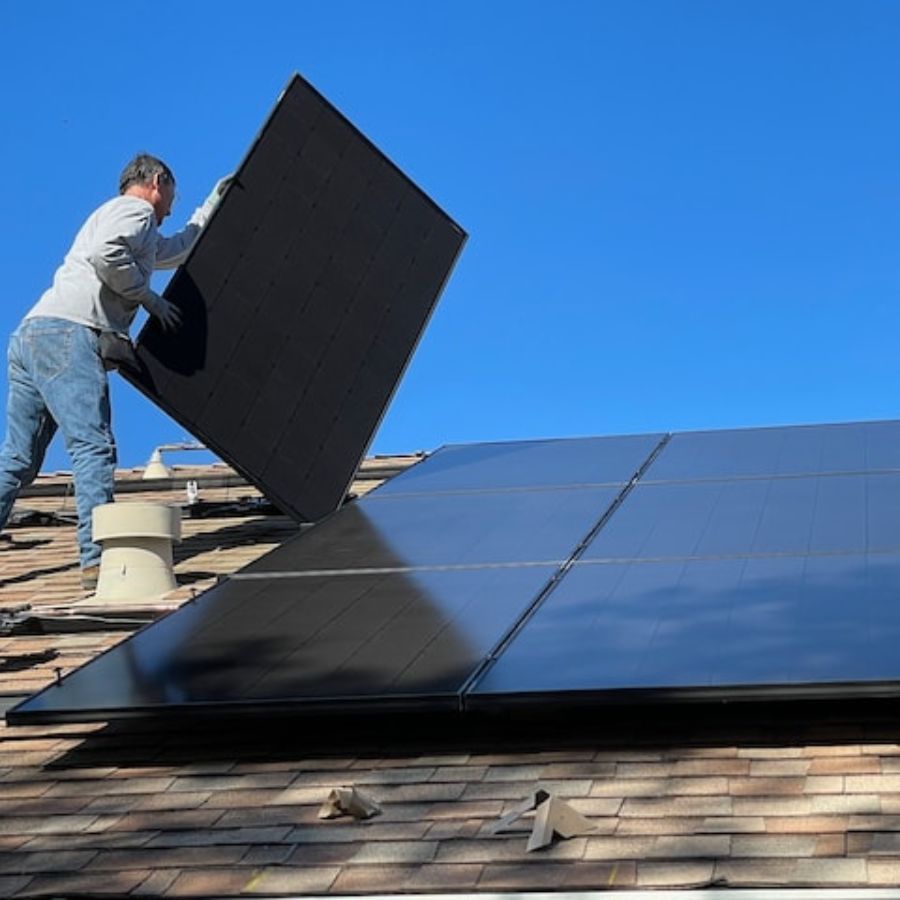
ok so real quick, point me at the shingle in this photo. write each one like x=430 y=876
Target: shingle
x=523 y=876
x=630 y=787
x=349 y=831
x=43 y=825
x=437 y=876
x=766 y=786
x=164 y=820
x=884 y=872
x=752 y=872
x=467 y=774
x=845 y=765
x=752 y=845
x=806 y=824
x=680 y=806
x=395 y=852
x=591 y=875
x=372 y=879
x=846 y=803
x=19 y=863
x=12 y=884
x=157 y=883
x=253 y=817
x=284 y=880
x=169 y=858
x=207 y=838
x=465 y=809
x=85 y=883
x=664 y=847
x=829 y=872
x=674 y=875
x=215 y=882
x=870 y=784
x=491 y=850
x=90 y=841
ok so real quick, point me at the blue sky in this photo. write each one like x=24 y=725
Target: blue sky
x=681 y=214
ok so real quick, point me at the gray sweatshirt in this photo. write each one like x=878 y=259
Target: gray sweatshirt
x=106 y=274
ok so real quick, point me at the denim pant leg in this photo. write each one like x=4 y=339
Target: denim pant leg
x=29 y=429
x=74 y=386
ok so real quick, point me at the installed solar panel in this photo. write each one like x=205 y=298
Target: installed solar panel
x=576 y=578
x=397 y=599
x=801 y=515
x=303 y=301
x=797 y=450
x=794 y=626
x=527 y=464
x=382 y=639
x=451 y=529
x=734 y=568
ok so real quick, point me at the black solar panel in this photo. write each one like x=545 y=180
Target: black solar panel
x=797 y=450
x=551 y=572
x=801 y=515
x=718 y=628
x=385 y=639
x=744 y=563
x=527 y=464
x=398 y=598
x=303 y=301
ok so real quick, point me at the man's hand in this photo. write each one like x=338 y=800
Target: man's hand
x=167 y=314
x=202 y=213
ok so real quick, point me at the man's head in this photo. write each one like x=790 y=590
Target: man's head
x=152 y=180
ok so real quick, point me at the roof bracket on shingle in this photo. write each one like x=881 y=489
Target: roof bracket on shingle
x=552 y=816
x=348 y=801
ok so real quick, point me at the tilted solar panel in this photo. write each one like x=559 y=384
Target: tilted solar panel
x=303 y=301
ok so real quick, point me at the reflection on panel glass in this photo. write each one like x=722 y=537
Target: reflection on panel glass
x=826 y=514
x=525 y=464
x=403 y=638
x=798 y=450
x=446 y=529
x=711 y=623
x=302 y=303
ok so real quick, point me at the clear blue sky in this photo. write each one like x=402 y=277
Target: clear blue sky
x=681 y=214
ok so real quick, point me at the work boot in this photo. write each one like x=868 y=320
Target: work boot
x=89 y=578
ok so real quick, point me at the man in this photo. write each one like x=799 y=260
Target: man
x=57 y=376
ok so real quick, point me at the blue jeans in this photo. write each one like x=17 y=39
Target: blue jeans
x=57 y=380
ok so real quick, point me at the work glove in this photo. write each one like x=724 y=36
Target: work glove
x=205 y=210
x=167 y=314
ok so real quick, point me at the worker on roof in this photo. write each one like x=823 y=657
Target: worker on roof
x=60 y=353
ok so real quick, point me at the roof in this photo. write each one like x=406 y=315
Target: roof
x=738 y=796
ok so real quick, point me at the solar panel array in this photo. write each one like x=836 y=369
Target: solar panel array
x=302 y=301
x=750 y=563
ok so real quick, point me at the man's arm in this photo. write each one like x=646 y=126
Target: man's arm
x=172 y=251
x=122 y=258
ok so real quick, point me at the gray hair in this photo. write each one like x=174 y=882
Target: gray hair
x=142 y=170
